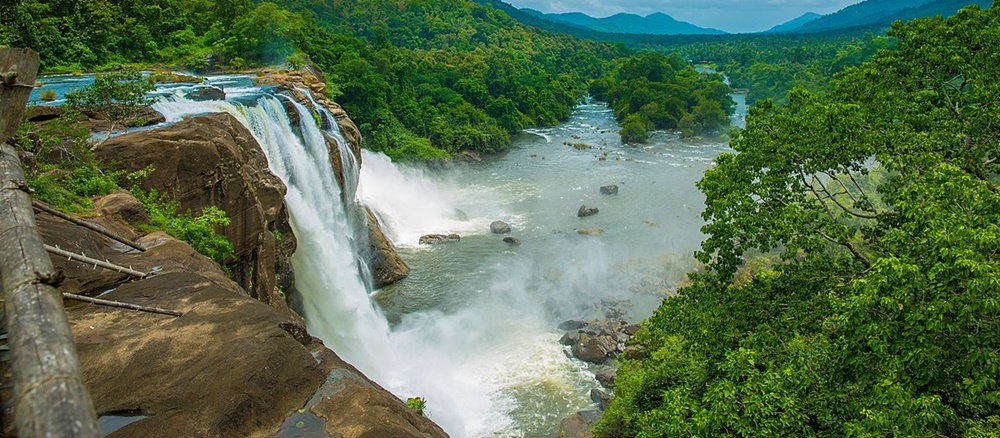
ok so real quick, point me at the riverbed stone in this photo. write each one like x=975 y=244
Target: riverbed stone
x=572 y=324
x=601 y=397
x=512 y=241
x=434 y=239
x=595 y=349
x=499 y=227
x=578 y=425
x=606 y=377
x=385 y=264
x=585 y=211
x=589 y=231
x=610 y=189
x=206 y=93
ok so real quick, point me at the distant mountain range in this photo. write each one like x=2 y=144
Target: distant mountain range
x=653 y=24
x=865 y=16
x=880 y=13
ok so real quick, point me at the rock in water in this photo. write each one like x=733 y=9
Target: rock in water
x=610 y=189
x=499 y=227
x=602 y=398
x=206 y=93
x=572 y=325
x=595 y=349
x=512 y=241
x=589 y=231
x=584 y=211
x=607 y=377
x=434 y=239
x=579 y=425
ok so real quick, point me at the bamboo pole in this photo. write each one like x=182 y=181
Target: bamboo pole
x=120 y=304
x=50 y=398
x=92 y=261
x=43 y=207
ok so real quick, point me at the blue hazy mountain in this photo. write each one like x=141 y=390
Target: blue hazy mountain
x=652 y=24
x=881 y=13
x=794 y=23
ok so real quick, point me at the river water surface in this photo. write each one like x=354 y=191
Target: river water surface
x=477 y=319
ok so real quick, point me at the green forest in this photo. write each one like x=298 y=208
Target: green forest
x=424 y=79
x=851 y=280
x=876 y=206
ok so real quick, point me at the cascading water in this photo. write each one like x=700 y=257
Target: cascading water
x=473 y=328
x=335 y=297
x=431 y=355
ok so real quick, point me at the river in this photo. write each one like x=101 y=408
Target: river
x=473 y=329
x=484 y=313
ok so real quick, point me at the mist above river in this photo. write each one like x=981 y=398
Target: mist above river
x=485 y=313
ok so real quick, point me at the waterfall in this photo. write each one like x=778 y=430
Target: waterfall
x=464 y=363
x=335 y=297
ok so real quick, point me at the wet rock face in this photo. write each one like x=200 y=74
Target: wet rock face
x=213 y=160
x=385 y=264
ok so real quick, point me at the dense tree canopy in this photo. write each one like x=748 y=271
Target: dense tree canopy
x=652 y=91
x=881 y=198
x=423 y=78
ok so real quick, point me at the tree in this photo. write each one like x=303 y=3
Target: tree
x=884 y=318
x=117 y=96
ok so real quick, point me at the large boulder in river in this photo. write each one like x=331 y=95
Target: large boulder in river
x=206 y=93
x=578 y=425
x=385 y=264
x=595 y=349
x=610 y=189
x=585 y=211
x=213 y=160
x=499 y=227
x=606 y=377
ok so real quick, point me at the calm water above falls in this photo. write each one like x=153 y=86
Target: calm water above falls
x=483 y=312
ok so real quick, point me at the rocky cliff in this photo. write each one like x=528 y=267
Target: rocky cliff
x=229 y=366
x=238 y=362
x=214 y=160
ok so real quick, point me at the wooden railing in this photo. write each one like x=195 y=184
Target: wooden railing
x=51 y=399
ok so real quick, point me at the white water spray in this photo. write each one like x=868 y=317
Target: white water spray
x=337 y=307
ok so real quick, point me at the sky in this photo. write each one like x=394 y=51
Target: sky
x=734 y=16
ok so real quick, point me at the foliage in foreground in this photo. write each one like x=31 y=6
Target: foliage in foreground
x=884 y=319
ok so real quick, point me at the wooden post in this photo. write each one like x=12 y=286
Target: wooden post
x=17 y=78
x=51 y=399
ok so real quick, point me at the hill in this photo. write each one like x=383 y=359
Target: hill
x=876 y=14
x=795 y=23
x=653 y=24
